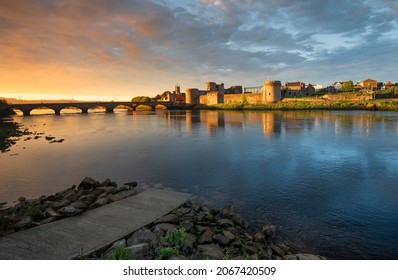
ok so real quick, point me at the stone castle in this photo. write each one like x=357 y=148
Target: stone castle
x=216 y=94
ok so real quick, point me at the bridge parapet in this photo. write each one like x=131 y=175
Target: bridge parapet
x=85 y=106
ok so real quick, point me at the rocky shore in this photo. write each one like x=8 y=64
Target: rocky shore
x=195 y=231
x=192 y=231
x=89 y=194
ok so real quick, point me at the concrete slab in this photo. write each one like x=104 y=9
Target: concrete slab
x=80 y=235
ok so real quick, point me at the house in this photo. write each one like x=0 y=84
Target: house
x=368 y=84
x=293 y=89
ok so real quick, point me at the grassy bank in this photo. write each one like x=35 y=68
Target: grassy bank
x=316 y=104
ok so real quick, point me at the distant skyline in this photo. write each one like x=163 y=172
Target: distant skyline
x=117 y=49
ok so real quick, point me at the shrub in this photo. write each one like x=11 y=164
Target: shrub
x=119 y=253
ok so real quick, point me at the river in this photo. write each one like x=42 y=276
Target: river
x=327 y=180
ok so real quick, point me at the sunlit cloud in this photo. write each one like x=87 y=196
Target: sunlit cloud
x=137 y=47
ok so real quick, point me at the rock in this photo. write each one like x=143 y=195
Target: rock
x=49 y=138
x=269 y=230
x=225 y=223
x=201 y=229
x=240 y=221
x=214 y=211
x=206 y=237
x=70 y=195
x=227 y=212
x=166 y=227
x=79 y=205
x=87 y=183
x=48 y=220
x=170 y=219
x=106 y=182
x=131 y=184
x=59 y=204
x=290 y=257
x=259 y=237
x=187 y=225
x=211 y=251
x=70 y=211
x=190 y=241
x=229 y=235
x=158 y=232
x=250 y=249
x=24 y=223
x=222 y=239
x=108 y=189
x=51 y=213
x=37 y=215
x=277 y=250
x=22 y=199
x=183 y=211
x=142 y=235
x=121 y=195
x=248 y=236
x=308 y=257
x=99 y=202
x=138 y=251
x=122 y=188
x=60 y=140
x=88 y=198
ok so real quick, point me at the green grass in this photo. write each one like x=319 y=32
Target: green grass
x=27 y=210
x=165 y=253
x=119 y=253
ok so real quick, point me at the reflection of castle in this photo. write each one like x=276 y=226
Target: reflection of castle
x=217 y=94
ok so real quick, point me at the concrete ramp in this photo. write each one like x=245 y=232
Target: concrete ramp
x=80 y=235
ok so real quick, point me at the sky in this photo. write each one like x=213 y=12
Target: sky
x=123 y=48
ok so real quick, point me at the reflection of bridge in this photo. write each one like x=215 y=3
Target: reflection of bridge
x=85 y=106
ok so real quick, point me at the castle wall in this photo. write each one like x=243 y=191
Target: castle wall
x=251 y=98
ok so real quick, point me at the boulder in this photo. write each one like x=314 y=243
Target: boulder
x=259 y=237
x=240 y=221
x=227 y=212
x=70 y=211
x=190 y=241
x=278 y=251
x=221 y=238
x=87 y=183
x=211 y=251
x=51 y=213
x=79 y=205
x=206 y=237
x=170 y=219
x=138 y=251
x=48 y=220
x=225 y=223
x=187 y=225
x=24 y=223
x=59 y=204
x=99 y=202
x=166 y=227
x=229 y=235
x=142 y=235
x=269 y=230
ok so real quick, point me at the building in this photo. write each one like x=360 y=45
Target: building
x=293 y=89
x=368 y=84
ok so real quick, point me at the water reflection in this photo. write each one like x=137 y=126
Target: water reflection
x=327 y=179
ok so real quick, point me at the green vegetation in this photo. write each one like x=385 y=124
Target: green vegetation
x=174 y=244
x=119 y=253
x=141 y=99
x=347 y=86
x=28 y=209
x=392 y=90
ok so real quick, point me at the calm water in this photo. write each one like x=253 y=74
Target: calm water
x=328 y=180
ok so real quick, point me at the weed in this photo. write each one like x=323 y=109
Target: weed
x=119 y=253
x=166 y=252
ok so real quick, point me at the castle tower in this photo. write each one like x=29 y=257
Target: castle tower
x=271 y=91
x=191 y=96
x=177 y=89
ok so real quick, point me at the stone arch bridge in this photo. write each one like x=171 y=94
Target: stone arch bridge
x=85 y=106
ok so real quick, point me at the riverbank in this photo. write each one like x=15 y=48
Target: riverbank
x=192 y=231
x=310 y=104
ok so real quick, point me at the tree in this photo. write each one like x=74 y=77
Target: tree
x=392 y=90
x=141 y=99
x=347 y=86
x=164 y=94
x=157 y=97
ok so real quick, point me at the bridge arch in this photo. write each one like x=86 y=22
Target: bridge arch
x=72 y=109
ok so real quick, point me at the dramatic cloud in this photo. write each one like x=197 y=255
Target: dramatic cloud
x=140 y=47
